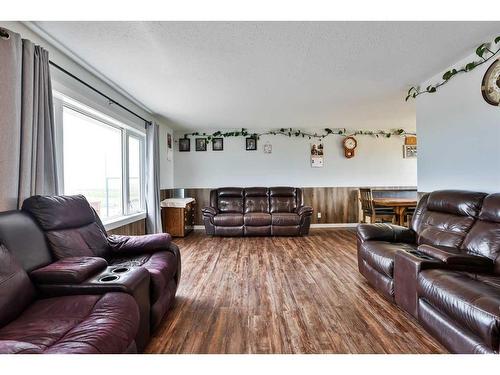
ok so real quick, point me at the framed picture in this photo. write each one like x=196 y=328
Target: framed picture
x=409 y=151
x=251 y=144
x=201 y=144
x=268 y=148
x=169 y=140
x=184 y=145
x=218 y=144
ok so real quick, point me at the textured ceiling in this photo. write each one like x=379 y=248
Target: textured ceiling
x=272 y=74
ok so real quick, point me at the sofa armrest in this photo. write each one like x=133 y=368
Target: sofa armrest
x=453 y=256
x=209 y=211
x=134 y=245
x=73 y=270
x=385 y=232
x=305 y=211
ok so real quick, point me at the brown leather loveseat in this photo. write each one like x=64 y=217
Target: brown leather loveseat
x=257 y=211
x=444 y=270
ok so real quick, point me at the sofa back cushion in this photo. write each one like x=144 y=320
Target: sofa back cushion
x=256 y=199
x=70 y=225
x=230 y=200
x=484 y=237
x=447 y=217
x=16 y=289
x=284 y=199
x=25 y=240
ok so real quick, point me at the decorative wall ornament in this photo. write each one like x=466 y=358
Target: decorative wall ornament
x=485 y=51
x=291 y=132
x=491 y=84
x=268 y=148
x=409 y=151
x=317 y=155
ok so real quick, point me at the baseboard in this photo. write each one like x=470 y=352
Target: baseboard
x=325 y=225
x=335 y=225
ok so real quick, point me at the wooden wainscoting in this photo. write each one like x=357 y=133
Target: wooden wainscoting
x=137 y=228
x=338 y=205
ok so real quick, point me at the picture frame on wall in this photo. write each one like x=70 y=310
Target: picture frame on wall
x=251 y=144
x=409 y=151
x=184 y=145
x=201 y=144
x=218 y=144
x=169 y=140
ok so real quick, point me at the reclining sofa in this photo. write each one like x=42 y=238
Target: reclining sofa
x=63 y=255
x=444 y=270
x=257 y=211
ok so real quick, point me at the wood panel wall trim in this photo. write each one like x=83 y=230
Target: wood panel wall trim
x=338 y=205
x=137 y=228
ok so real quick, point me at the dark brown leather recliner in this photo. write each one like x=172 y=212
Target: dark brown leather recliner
x=257 y=211
x=442 y=218
x=448 y=277
x=73 y=229
x=31 y=323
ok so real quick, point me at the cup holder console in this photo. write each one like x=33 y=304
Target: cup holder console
x=108 y=278
x=121 y=270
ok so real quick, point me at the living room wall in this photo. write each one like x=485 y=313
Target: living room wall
x=458 y=135
x=377 y=162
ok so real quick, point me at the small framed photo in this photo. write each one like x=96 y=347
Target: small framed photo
x=218 y=144
x=409 y=151
x=169 y=140
x=201 y=144
x=251 y=144
x=184 y=145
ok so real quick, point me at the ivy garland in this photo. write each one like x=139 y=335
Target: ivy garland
x=290 y=132
x=484 y=51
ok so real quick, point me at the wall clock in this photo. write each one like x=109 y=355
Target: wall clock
x=491 y=84
x=350 y=144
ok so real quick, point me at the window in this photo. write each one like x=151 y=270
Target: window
x=102 y=159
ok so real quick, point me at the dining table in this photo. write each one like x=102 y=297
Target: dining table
x=400 y=205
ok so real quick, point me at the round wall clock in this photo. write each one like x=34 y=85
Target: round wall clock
x=491 y=84
x=350 y=144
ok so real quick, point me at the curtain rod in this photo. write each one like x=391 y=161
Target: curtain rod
x=98 y=91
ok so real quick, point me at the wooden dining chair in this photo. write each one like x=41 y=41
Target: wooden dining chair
x=381 y=214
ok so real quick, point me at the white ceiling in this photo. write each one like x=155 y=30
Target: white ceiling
x=272 y=74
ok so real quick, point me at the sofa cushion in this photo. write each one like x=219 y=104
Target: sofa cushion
x=256 y=200
x=456 y=202
x=284 y=218
x=59 y=212
x=283 y=199
x=85 y=241
x=77 y=324
x=256 y=219
x=230 y=200
x=16 y=289
x=471 y=303
x=228 y=220
x=380 y=254
x=443 y=229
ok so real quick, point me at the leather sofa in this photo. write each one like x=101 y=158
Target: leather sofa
x=257 y=211
x=78 y=324
x=444 y=270
x=63 y=247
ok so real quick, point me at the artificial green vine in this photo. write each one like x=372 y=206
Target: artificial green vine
x=482 y=51
x=290 y=132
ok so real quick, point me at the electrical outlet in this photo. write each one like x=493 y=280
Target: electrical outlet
x=319 y=215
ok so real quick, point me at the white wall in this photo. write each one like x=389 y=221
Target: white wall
x=378 y=162
x=458 y=135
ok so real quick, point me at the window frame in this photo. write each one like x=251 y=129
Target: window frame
x=127 y=131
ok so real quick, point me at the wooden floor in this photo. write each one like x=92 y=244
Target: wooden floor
x=282 y=295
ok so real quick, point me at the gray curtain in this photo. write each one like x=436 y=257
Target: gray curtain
x=153 y=219
x=27 y=144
